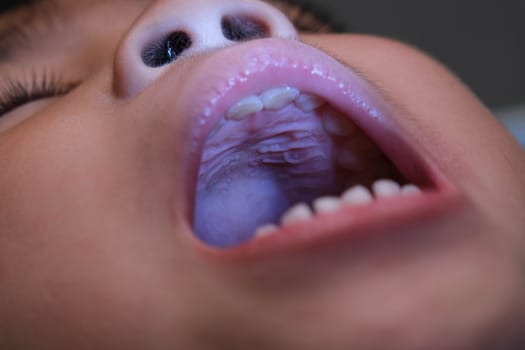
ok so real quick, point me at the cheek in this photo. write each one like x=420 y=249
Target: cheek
x=77 y=247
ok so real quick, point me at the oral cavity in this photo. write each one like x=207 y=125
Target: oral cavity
x=284 y=156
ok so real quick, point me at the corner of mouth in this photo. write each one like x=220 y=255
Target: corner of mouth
x=285 y=138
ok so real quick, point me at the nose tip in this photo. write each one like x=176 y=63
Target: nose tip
x=171 y=29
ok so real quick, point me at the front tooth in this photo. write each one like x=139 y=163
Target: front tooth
x=266 y=230
x=410 y=190
x=245 y=107
x=337 y=124
x=327 y=204
x=278 y=98
x=358 y=195
x=309 y=103
x=386 y=188
x=299 y=212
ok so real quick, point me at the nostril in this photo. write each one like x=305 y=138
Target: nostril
x=243 y=28
x=166 y=50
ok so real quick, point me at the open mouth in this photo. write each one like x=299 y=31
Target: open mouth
x=285 y=147
x=280 y=157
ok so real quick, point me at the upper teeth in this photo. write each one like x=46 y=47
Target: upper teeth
x=308 y=103
x=245 y=107
x=273 y=99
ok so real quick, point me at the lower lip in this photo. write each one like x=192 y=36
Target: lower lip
x=389 y=216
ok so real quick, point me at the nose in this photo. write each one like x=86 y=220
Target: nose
x=170 y=30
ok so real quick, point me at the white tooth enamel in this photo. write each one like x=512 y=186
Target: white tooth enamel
x=327 y=204
x=265 y=230
x=358 y=195
x=299 y=212
x=337 y=124
x=245 y=107
x=278 y=98
x=309 y=103
x=410 y=190
x=386 y=188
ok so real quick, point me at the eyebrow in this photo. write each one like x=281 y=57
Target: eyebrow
x=35 y=18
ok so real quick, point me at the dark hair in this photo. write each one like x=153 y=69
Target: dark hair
x=304 y=17
x=6 y=5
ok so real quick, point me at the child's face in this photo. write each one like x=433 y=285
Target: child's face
x=101 y=203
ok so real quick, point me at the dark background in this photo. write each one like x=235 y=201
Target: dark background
x=481 y=41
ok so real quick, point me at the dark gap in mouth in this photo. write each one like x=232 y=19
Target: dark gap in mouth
x=254 y=168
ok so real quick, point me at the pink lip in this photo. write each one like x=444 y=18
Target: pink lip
x=225 y=76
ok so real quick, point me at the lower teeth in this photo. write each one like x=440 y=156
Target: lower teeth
x=355 y=196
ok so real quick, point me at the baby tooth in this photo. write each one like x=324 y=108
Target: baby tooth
x=337 y=124
x=327 y=204
x=244 y=108
x=278 y=98
x=265 y=230
x=386 y=188
x=309 y=103
x=358 y=195
x=410 y=190
x=299 y=212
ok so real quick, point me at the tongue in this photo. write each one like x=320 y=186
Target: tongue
x=229 y=214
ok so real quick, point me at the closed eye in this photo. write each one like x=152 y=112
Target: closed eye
x=15 y=93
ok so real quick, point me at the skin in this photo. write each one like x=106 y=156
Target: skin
x=92 y=254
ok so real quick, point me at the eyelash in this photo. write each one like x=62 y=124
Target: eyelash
x=16 y=93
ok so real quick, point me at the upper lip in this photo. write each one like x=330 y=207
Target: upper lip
x=225 y=76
